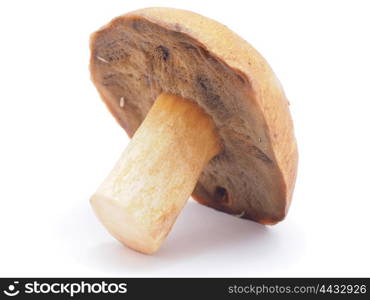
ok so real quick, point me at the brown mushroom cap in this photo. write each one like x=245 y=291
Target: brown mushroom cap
x=139 y=55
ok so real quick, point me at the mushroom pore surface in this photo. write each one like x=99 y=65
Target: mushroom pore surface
x=134 y=60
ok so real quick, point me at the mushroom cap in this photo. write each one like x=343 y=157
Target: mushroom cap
x=141 y=54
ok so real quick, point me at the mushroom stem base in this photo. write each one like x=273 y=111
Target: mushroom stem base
x=141 y=198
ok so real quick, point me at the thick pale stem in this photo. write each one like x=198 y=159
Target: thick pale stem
x=143 y=195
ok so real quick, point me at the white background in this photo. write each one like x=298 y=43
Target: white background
x=58 y=142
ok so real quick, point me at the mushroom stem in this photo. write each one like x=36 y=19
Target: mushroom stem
x=141 y=198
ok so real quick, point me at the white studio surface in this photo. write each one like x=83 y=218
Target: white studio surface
x=58 y=142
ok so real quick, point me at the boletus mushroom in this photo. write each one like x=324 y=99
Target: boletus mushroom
x=207 y=117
